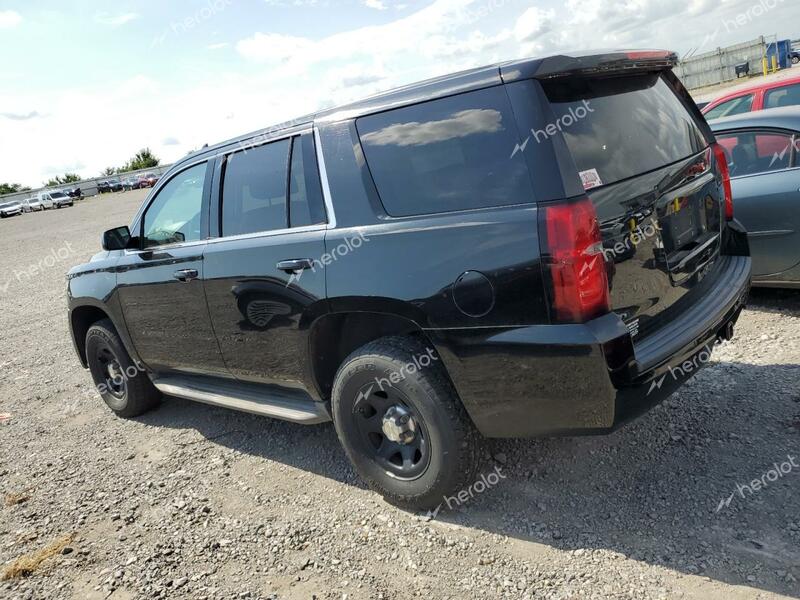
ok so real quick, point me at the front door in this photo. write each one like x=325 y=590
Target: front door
x=264 y=275
x=765 y=179
x=160 y=284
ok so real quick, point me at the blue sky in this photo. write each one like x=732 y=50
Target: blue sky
x=86 y=84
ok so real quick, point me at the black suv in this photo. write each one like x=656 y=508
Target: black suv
x=533 y=248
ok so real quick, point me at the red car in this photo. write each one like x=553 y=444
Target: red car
x=772 y=94
x=147 y=180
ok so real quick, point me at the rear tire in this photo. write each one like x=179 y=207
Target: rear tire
x=126 y=389
x=413 y=463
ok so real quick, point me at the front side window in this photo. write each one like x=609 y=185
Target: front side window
x=753 y=152
x=254 y=190
x=451 y=154
x=174 y=215
x=783 y=96
x=736 y=106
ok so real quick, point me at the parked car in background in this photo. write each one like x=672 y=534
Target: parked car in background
x=31 y=205
x=148 y=180
x=795 y=56
x=763 y=153
x=130 y=183
x=110 y=185
x=10 y=209
x=521 y=288
x=73 y=192
x=57 y=197
x=770 y=94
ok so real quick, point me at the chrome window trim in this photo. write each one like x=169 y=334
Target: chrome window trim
x=323 y=176
x=271 y=233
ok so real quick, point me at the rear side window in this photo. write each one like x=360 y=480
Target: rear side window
x=783 y=96
x=306 y=206
x=446 y=155
x=729 y=108
x=618 y=128
x=254 y=189
x=754 y=152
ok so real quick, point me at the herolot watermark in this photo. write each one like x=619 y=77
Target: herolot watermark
x=778 y=471
x=211 y=9
x=686 y=368
x=755 y=11
x=48 y=261
x=568 y=120
x=483 y=484
x=348 y=245
x=417 y=363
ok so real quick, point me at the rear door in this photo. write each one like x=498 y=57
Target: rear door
x=265 y=277
x=765 y=178
x=644 y=161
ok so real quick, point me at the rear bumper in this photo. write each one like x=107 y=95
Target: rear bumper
x=588 y=378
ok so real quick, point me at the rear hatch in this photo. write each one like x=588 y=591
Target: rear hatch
x=647 y=166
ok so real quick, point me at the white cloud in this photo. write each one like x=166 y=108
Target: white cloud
x=106 y=124
x=9 y=19
x=116 y=20
x=272 y=47
x=376 y=4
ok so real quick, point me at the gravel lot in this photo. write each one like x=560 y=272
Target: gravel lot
x=197 y=502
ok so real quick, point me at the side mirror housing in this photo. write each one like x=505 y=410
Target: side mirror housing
x=118 y=238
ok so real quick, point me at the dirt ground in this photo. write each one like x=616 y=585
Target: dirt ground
x=193 y=501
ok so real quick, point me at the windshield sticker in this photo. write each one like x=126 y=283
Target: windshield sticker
x=590 y=179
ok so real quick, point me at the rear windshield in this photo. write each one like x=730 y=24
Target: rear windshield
x=618 y=128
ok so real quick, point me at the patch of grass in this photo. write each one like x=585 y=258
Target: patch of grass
x=27 y=565
x=19 y=498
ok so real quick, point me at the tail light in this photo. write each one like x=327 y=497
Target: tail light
x=722 y=165
x=572 y=249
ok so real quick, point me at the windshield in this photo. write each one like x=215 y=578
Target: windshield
x=57 y=195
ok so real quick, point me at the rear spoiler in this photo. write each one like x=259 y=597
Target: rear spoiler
x=613 y=62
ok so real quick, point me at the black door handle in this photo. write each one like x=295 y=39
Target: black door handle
x=185 y=275
x=295 y=265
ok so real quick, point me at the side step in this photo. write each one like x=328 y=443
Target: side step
x=267 y=401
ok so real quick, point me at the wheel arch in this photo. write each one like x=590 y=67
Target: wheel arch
x=335 y=336
x=81 y=318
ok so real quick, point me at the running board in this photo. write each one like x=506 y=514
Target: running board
x=259 y=400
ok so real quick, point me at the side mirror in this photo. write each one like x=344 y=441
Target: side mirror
x=118 y=238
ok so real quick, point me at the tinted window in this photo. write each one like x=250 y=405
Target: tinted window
x=618 y=128
x=751 y=152
x=254 y=189
x=783 y=96
x=305 y=192
x=737 y=106
x=446 y=155
x=174 y=215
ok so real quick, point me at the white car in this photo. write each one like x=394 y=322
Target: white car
x=31 y=205
x=54 y=199
x=9 y=209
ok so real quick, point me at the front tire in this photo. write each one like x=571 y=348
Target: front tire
x=126 y=389
x=402 y=425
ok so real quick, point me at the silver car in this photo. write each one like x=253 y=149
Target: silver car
x=9 y=209
x=763 y=152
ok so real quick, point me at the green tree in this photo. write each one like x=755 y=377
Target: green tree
x=108 y=172
x=10 y=188
x=144 y=159
x=63 y=180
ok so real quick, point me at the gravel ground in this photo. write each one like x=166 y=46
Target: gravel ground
x=193 y=501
